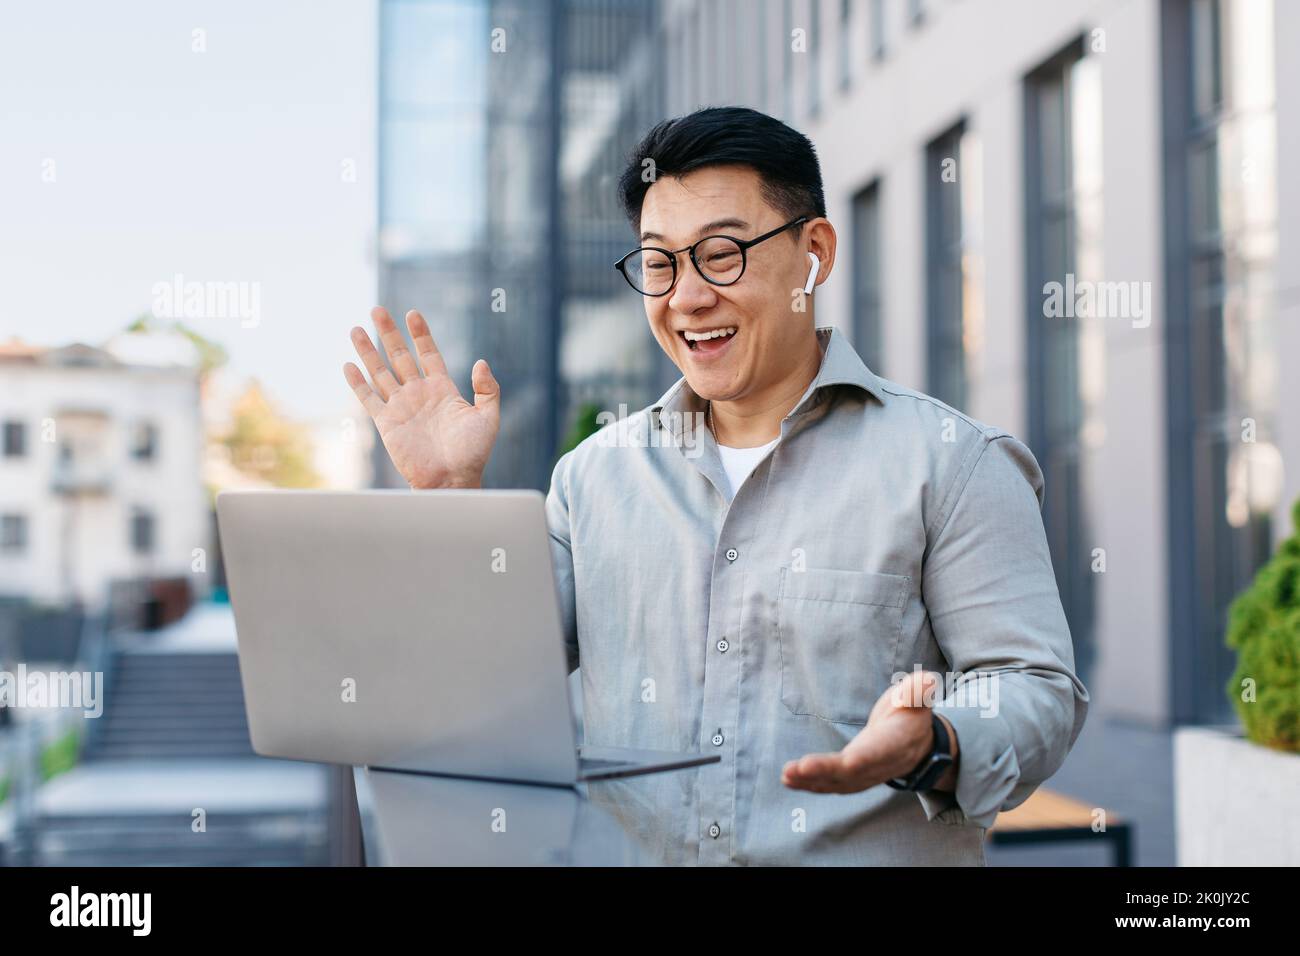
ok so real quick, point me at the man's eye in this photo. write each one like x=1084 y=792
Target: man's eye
x=722 y=257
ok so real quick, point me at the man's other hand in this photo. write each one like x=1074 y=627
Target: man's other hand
x=897 y=736
x=435 y=438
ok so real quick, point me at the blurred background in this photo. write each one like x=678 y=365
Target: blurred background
x=1065 y=219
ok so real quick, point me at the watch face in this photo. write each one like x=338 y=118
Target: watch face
x=939 y=763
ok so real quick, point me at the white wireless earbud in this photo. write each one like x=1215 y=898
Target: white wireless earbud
x=812 y=273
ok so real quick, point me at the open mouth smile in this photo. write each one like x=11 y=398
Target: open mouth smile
x=708 y=341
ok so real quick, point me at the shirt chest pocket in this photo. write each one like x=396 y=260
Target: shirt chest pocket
x=838 y=634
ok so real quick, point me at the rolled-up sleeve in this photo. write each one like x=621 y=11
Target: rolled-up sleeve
x=557 y=523
x=1013 y=697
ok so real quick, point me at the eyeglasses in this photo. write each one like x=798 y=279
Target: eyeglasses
x=720 y=260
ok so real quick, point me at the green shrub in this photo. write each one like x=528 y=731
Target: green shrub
x=4 y=790
x=60 y=755
x=586 y=422
x=1264 y=627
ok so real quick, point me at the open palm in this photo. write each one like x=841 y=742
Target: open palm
x=435 y=438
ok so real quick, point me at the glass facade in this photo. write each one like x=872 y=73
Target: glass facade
x=876 y=38
x=613 y=93
x=868 y=316
x=1221 y=195
x=1063 y=162
x=953 y=263
x=502 y=125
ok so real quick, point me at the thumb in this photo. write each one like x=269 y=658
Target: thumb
x=917 y=689
x=487 y=392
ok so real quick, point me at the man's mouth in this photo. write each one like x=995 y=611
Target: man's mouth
x=708 y=340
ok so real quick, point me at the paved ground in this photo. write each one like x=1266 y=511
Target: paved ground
x=1126 y=768
x=153 y=786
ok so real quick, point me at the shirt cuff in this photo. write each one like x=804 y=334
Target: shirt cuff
x=987 y=771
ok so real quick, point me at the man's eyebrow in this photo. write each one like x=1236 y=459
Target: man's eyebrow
x=704 y=230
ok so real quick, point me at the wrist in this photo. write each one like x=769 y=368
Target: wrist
x=948 y=782
x=935 y=766
x=458 y=482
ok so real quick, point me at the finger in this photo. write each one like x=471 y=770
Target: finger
x=372 y=403
x=426 y=350
x=487 y=391
x=794 y=781
x=813 y=768
x=403 y=362
x=385 y=383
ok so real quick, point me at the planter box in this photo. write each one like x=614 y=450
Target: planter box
x=1235 y=803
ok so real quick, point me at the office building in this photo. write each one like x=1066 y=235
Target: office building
x=1066 y=219
x=100 y=468
x=501 y=125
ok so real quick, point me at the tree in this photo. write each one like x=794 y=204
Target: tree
x=266 y=446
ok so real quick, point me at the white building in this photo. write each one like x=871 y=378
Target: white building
x=99 y=468
x=982 y=155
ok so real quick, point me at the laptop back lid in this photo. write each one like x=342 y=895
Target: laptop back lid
x=409 y=630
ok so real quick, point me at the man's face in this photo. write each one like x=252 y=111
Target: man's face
x=770 y=336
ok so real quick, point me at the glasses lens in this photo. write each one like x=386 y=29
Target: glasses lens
x=650 y=271
x=720 y=259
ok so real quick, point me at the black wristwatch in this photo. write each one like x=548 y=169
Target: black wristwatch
x=932 y=766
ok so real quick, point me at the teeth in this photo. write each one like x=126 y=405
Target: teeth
x=715 y=333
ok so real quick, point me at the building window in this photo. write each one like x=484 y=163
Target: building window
x=814 y=58
x=1063 y=223
x=15 y=439
x=13 y=533
x=694 y=62
x=144 y=442
x=867 y=272
x=877 y=37
x=1224 y=468
x=143 y=531
x=846 y=58
x=953 y=264
x=787 y=60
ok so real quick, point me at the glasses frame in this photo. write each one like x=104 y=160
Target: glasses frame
x=744 y=244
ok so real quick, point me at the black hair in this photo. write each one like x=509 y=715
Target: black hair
x=784 y=158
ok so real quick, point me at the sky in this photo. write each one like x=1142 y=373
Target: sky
x=134 y=149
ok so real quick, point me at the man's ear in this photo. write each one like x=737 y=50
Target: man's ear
x=812 y=273
x=821 y=238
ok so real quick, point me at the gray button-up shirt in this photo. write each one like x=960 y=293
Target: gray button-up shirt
x=884 y=531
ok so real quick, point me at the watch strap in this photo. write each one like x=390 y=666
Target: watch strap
x=932 y=766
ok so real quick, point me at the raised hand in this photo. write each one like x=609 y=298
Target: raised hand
x=435 y=438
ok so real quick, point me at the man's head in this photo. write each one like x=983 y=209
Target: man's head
x=733 y=172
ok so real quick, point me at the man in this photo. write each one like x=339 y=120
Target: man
x=804 y=567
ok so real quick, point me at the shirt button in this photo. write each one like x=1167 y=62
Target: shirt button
x=723 y=645
x=732 y=554
x=718 y=738
x=715 y=831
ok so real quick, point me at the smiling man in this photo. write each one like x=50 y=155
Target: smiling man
x=844 y=589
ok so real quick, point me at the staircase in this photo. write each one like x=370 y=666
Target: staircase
x=165 y=705
x=173 y=740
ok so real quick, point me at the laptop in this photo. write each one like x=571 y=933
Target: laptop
x=409 y=630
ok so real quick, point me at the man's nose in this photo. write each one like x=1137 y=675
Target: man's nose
x=692 y=293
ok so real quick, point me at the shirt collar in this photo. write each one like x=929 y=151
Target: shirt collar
x=841 y=365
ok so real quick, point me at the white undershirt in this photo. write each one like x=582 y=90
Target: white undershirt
x=739 y=462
